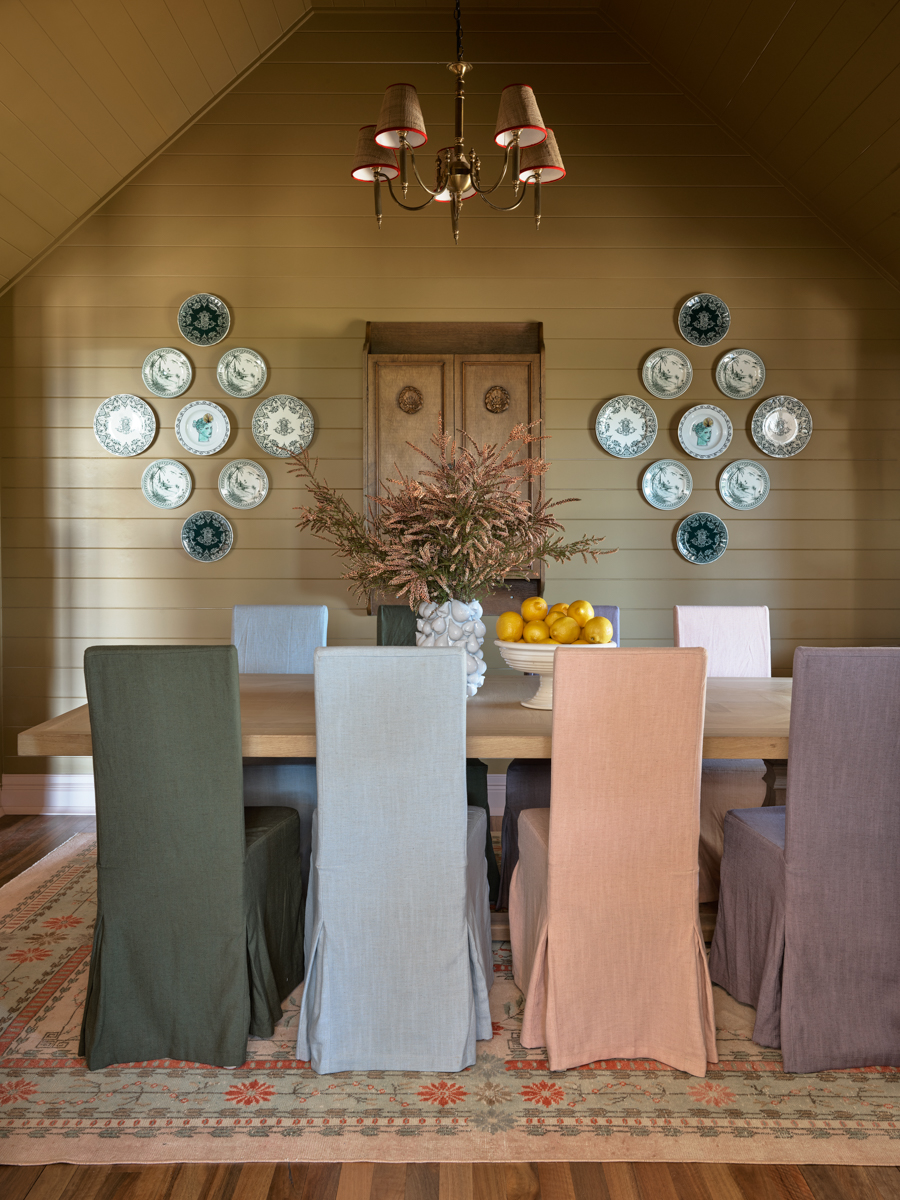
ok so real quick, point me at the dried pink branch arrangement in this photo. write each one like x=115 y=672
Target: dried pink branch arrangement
x=453 y=532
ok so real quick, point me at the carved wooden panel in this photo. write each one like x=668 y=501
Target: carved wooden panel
x=408 y=394
x=495 y=392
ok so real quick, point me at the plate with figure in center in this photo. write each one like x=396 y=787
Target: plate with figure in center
x=202 y=427
x=667 y=484
x=781 y=426
x=243 y=483
x=241 y=372
x=702 y=538
x=207 y=536
x=167 y=372
x=166 y=483
x=667 y=373
x=626 y=426
x=704 y=319
x=204 y=319
x=283 y=425
x=744 y=484
x=124 y=425
x=740 y=374
x=705 y=431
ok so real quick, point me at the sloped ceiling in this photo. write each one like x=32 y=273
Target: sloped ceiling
x=90 y=89
x=811 y=87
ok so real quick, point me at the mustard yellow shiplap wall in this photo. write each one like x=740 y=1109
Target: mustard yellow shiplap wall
x=256 y=205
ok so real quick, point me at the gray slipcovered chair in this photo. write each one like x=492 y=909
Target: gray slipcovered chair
x=281 y=639
x=809 y=907
x=199 y=906
x=398 y=927
x=528 y=786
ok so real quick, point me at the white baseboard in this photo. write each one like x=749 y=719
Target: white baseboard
x=497 y=794
x=48 y=795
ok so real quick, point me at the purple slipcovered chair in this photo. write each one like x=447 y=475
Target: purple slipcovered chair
x=809 y=907
x=528 y=786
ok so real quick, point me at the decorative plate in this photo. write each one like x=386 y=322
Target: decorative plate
x=166 y=483
x=667 y=373
x=781 y=426
x=626 y=426
x=124 y=425
x=704 y=319
x=243 y=483
x=207 y=536
x=740 y=374
x=705 y=431
x=241 y=372
x=203 y=319
x=167 y=373
x=744 y=484
x=667 y=484
x=283 y=425
x=202 y=427
x=702 y=538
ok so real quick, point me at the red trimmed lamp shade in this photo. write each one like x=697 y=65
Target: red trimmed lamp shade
x=371 y=157
x=400 y=113
x=544 y=158
x=520 y=114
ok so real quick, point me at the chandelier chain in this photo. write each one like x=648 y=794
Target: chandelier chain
x=459 y=36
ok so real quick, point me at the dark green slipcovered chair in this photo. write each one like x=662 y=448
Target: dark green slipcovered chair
x=199 y=931
x=396 y=626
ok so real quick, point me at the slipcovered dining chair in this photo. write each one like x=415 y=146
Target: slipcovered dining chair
x=810 y=900
x=281 y=639
x=738 y=644
x=606 y=941
x=199 y=908
x=528 y=786
x=398 y=930
x=396 y=626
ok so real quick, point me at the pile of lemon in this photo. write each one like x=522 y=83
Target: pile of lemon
x=565 y=624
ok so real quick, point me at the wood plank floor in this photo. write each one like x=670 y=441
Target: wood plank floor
x=24 y=840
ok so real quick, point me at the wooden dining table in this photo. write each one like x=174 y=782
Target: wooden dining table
x=745 y=718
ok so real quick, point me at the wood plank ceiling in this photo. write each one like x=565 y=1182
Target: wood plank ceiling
x=810 y=87
x=90 y=90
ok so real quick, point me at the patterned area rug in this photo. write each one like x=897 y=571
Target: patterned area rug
x=508 y=1107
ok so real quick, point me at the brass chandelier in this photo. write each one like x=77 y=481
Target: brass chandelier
x=530 y=152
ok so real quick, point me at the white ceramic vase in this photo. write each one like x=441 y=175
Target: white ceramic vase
x=455 y=624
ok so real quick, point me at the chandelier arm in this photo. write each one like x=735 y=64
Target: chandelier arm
x=508 y=207
x=408 y=207
x=422 y=185
x=482 y=192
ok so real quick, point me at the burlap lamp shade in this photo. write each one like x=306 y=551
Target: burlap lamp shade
x=546 y=158
x=519 y=113
x=400 y=113
x=370 y=156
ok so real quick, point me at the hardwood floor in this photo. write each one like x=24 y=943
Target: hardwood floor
x=24 y=840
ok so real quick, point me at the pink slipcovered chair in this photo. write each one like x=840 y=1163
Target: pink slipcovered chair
x=738 y=645
x=603 y=914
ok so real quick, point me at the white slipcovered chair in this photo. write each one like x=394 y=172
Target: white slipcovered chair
x=738 y=645
x=281 y=639
x=398 y=928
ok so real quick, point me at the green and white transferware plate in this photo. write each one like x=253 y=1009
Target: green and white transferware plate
x=204 y=319
x=207 y=536
x=705 y=431
x=702 y=538
x=667 y=484
x=167 y=372
x=740 y=374
x=124 y=425
x=704 y=319
x=166 y=483
x=626 y=426
x=241 y=372
x=744 y=484
x=202 y=427
x=781 y=426
x=667 y=373
x=283 y=425
x=243 y=483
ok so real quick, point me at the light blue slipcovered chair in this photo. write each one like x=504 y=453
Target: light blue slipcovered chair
x=281 y=639
x=398 y=929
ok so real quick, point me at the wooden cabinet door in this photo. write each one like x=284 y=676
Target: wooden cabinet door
x=407 y=394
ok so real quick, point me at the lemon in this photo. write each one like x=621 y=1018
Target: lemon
x=534 y=608
x=565 y=630
x=552 y=617
x=509 y=627
x=536 y=631
x=581 y=611
x=560 y=608
x=599 y=629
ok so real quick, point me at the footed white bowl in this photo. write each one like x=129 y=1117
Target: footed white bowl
x=537 y=657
